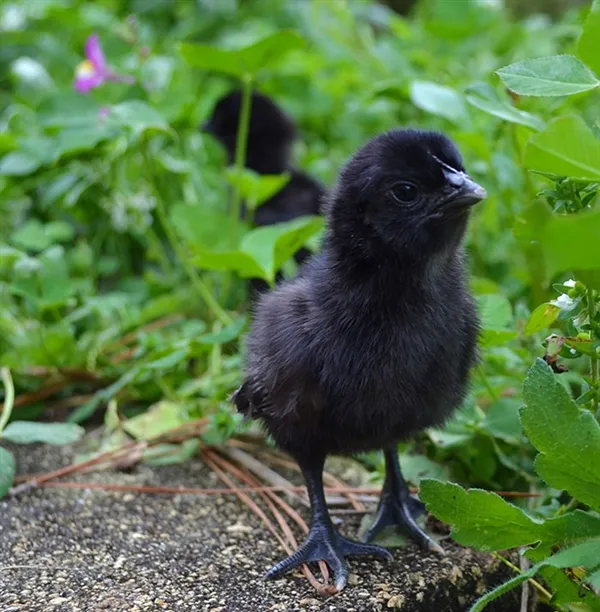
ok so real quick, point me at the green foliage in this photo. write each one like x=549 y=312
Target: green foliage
x=123 y=257
x=567 y=437
x=561 y=75
x=26 y=432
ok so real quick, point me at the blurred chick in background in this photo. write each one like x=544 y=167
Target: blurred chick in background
x=270 y=137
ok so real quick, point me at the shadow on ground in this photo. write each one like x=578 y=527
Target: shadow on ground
x=86 y=550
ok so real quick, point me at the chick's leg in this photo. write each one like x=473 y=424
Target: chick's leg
x=398 y=507
x=323 y=542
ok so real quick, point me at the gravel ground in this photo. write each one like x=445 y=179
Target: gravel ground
x=86 y=550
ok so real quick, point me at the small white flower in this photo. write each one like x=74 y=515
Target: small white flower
x=563 y=301
x=573 y=351
x=569 y=283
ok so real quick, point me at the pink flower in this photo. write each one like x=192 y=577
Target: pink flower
x=94 y=71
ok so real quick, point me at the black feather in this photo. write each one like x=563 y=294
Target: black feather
x=375 y=339
x=270 y=138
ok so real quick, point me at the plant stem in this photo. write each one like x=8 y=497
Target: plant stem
x=9 y=397
x=205 y=295
x=594 y=359
x=242 y=142
x=518 y=570
x=241 y=146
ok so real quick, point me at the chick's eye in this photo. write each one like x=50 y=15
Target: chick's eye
x=405 y=192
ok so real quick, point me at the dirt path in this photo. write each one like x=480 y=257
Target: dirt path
x=70 y=550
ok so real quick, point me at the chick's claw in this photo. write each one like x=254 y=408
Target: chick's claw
x=329 y=547
x=392 y=511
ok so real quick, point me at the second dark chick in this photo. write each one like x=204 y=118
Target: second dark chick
x=375 y=340
x=270 y=138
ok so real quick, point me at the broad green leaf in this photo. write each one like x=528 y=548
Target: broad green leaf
x=69 y=110
x=567 y=147
x=26 y=432
x=247 y=61
x=241 y=263
x=438 y=100
x=205 y=229
x=78 y=140
x=479 y=518
x=417 y=467
x=31 y=236
x=271 y=246
x=570 y=527
x=541 y=318
x=54 y=282
x=59 y=231
x=570 y=242
x=18 y=163
x=485 y=98
x=495 y=311
x=581 y=555
x=559 y=75
x=157 y=420
x=170 y=454
x=138 y=116
x=8 y=470
x=502 y=420
x=567 y=437
x=588 y=48
x=256 y=188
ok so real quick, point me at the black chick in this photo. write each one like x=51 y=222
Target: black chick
x=270 y=137
x=374 y=341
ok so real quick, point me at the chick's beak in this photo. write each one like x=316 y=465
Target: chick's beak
x=463 y=191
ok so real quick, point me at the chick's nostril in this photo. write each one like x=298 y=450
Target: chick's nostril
x=456 y=179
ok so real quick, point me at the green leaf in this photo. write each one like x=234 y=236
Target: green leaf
x=69 y=110
x=495 y=311
x=256 y=188
x=57 y=434
x=170 y=454
x=559 y=75
x=247 y=61
x=138 y=116
x=31 y=236
x=18 y=163
x=570 y=242
x=8 y=469
x=581 y=555
x=205 y=229
x=485 y=98
x=54 y=282
x=272 y=245
x=236 y=261
x=479 y=518
x=438 y=100
x=59 y=231
x=541 y=318
x=157 y=420
x=567 y=437
x=567 y=147
x=588 y=48
x=78 y=140
x=417 y=467
x=502 y=420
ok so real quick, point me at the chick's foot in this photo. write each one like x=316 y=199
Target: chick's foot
x=325 y=544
